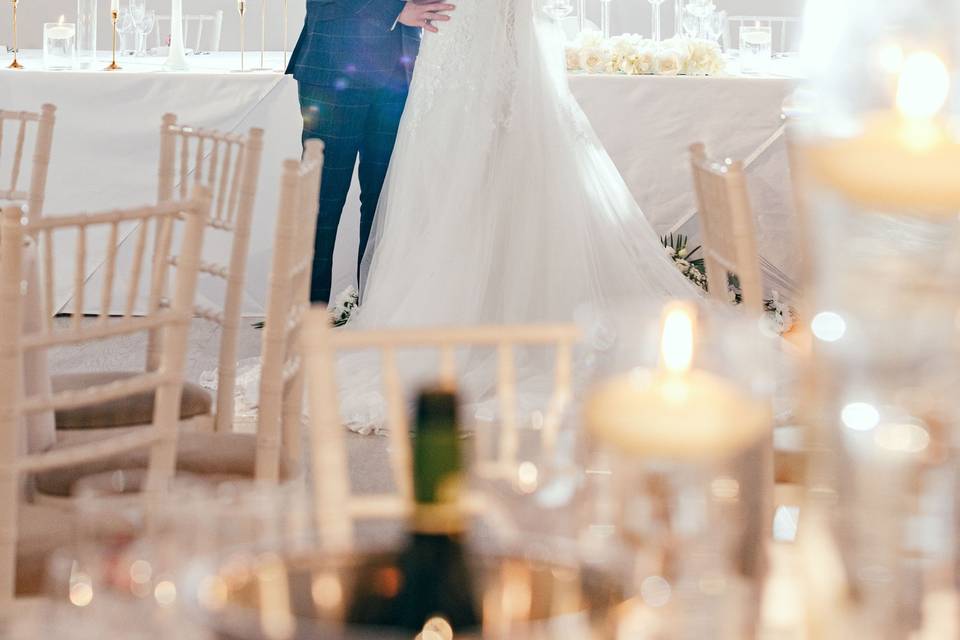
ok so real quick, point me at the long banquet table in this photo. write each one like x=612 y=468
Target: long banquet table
x=105 y=146
x=106 y=141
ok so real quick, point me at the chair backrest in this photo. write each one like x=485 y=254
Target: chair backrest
x=165 y=382
x=229 y=166
x=194 y=28
x=19 y=123
x=727 y=226
x=785 y=31
x=336 y=508
x=281 y=370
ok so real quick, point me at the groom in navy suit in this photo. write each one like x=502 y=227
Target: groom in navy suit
x=353 y=63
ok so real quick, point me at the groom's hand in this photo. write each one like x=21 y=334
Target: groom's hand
x=424 y=15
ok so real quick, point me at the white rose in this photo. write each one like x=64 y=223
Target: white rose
x=668 y=63
x=646 y=60
x=705 y=57
x=590 y=39
x=622 y=46
x=573 y=57
x=594 y=59
x=680 y=45
x=629 y=65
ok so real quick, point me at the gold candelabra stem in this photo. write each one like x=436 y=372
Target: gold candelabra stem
x=285 y=35
x=263 y=33
x=242 y=8
x=114 y=18
x=16 y=48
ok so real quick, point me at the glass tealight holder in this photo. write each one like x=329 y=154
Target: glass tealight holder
x=59 y=45
x=679 y=424
x=756 y=48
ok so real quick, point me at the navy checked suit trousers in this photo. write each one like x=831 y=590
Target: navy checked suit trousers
x=352 y=123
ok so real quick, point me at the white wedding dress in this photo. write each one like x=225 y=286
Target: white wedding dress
x=500 y=206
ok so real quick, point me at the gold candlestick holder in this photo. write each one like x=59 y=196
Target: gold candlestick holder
x=114 y=17
x=263 y=37
x=242 y=10
x=286 y=35
x=16 y=48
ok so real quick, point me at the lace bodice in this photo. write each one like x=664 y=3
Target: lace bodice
x=476 y=57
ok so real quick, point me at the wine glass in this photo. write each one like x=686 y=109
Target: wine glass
x=690 y=25
x=655 y=6
x=714 y=26
x=557 y=9
x=701 y=8
x=144 y=25
x=126 y=29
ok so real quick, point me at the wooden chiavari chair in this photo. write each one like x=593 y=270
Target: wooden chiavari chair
x=273 y=454
x=337 y=509
x=730 y=247
x=13 y=177
x=229 y=166
x=281 y=373
x=159 y=440
x=727 y=225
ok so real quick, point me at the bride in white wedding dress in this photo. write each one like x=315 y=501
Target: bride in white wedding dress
x=500 y=204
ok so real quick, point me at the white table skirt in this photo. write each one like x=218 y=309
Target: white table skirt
x=106 y=145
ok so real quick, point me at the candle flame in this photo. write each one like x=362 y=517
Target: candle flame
x=676 y=341
x=60 y=22
x=924 y=86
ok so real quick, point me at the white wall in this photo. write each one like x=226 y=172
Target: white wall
x=626 y=15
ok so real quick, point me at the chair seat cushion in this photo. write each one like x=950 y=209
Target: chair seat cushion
x=128 y=411
x=220 y=456
x=41 y=530
x=789 y=456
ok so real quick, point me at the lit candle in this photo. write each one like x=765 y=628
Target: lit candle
x=675 y=411
x=114 y=6
x=905 y=158
x=61 y=31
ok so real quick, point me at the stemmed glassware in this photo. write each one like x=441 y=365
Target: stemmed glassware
x=713 y=26
x=700 y=19
x=144 y=26
x=127 y=30
x=655 y=19
x=557 y=9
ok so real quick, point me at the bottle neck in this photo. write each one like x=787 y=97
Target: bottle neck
x=437 y=480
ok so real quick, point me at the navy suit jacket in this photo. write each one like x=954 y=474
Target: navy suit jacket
x=349 y=44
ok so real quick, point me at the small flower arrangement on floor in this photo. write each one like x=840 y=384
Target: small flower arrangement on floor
x=781 y=315
x=634 y=55
x=344 y=306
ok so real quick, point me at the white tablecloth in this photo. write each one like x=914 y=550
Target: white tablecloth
x=107 y=138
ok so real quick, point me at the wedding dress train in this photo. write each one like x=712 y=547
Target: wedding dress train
x=500 y=205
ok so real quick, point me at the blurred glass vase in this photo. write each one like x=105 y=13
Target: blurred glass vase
x=876 y=163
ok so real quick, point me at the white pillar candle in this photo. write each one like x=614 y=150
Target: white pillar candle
x=905 y=158
x=675 y=411
x=114 y=6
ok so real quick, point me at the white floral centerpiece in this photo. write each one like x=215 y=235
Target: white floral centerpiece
x=632 y=54
x=780 y=316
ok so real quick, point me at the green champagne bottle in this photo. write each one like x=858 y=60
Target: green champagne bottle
x=429 y=578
